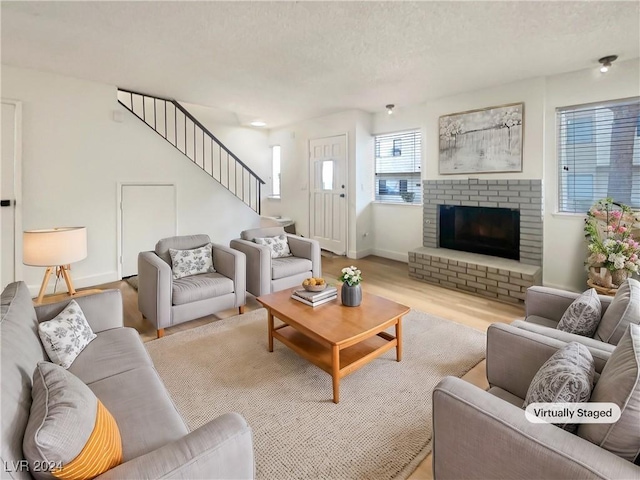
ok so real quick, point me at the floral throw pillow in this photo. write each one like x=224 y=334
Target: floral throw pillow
x=66 y=335
x=279 y=245
x=191 y=262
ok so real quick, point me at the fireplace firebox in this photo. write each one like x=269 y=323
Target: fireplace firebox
x=489 y=231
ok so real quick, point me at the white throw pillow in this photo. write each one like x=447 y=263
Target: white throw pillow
x=279 y=245
x=583 y=315
x=191 y=262
x=66 y=335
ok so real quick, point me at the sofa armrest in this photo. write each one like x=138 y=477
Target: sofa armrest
x=515 y=355
x=600 y=350
x=103 y=310
x=232 y=264
x=306 y=248
x=551 y=303
x=258 y=258
x=220 y=449
x=465 y=417
x=155 y=282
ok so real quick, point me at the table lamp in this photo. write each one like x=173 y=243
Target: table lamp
x=55 y=248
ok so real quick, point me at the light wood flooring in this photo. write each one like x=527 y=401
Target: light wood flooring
x=387 y=278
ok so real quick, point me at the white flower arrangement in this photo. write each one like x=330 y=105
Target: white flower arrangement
x=351 y=276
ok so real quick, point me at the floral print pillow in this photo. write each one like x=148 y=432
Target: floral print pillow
x=65 y=336
x=191 y=262
x=279 y=245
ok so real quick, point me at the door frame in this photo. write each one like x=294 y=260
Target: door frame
x=17 y=186
x=120 y=186
x=346 y=182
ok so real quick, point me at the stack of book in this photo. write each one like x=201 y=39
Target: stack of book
x=315 y=298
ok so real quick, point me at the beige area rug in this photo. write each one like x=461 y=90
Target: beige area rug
x=381 y=428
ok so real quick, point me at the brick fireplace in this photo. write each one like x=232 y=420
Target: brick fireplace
x=501 y=278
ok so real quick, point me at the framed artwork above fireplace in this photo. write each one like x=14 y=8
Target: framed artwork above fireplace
x=487 y=140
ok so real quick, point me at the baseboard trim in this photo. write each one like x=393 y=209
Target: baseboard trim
x=399 y=256
x=78 y=282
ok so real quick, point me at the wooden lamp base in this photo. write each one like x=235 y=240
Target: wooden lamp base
x=60 y=270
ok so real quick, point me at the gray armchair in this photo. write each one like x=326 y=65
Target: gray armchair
x=166 y=302
x=485 y=435
x=545 y=307
x=265 y=274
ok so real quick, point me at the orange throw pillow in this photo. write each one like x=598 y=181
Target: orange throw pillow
x=102 y=452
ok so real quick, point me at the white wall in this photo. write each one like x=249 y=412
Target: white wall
x=294 y=202
x=564 y=245
x=74 y=156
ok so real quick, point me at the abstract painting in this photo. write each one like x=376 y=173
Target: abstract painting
x=482 y=141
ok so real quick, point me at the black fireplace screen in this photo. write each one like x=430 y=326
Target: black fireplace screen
x=489 y=231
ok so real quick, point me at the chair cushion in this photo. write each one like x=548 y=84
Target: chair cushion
x=182 y=242
x=286 y=267
x=583 y=315
x=66 y=335
x=139 y=402
x=545 y=322
x=112 y=352
x=620 y=384
x=261 y=232
x=200 y=287
x=279 y=245
x=624 y=309
x=567 y=377
x=191 y=262
x=69 y=430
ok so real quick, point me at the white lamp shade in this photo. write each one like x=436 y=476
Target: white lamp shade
x=55 y=246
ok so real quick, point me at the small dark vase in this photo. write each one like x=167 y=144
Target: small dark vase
x=351 y=295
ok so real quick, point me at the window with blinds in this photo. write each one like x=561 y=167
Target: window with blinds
x=599 y=154
x=398 y=164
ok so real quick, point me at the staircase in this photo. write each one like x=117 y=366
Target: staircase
x=177 y=126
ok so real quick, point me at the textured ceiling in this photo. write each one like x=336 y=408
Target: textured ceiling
x=286 y=61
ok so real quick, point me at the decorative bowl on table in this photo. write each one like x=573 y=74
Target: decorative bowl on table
x=314 y=284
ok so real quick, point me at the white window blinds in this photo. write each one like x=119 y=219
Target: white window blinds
x=599 y=154
x=398 y=164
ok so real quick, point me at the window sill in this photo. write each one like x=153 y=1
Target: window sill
x=274 y=197
x=404 y=204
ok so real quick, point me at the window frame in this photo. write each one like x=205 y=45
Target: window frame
x=573 y=165
x=275 y=176
x=403 y=179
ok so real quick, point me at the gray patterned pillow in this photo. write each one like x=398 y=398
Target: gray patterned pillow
x=567 y=377
x=191 y=262
x=279 y=245
x=66 y=335
x=583 y=315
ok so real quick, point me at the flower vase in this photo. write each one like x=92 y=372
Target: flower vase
x=619 y=276
x=601 y=276
x=351 y=295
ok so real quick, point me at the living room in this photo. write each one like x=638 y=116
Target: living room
x=79 y=148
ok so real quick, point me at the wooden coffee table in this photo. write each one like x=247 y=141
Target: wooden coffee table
x=336 y=338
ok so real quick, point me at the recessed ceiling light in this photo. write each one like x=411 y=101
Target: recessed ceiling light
x=258 y=124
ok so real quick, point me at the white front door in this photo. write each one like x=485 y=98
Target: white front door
x=8 y=195
x=328 y=204
x=148 y=214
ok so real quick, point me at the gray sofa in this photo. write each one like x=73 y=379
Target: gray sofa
x=485 y=435
x=166 y=302
x=265 y=274
x=155 y=440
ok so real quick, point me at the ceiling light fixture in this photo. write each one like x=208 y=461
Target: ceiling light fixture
x=258 y=124
x=606 y=62
x=390 y=108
